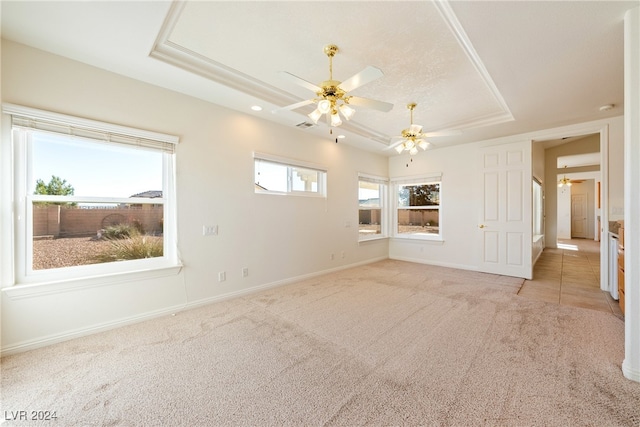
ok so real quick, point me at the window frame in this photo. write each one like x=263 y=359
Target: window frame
x=383 y=191
x=537 y=217
x=429 y=179
x=24 y=122
x=290 y=165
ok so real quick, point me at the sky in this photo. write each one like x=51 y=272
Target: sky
x=95 y=169
x=98 y=169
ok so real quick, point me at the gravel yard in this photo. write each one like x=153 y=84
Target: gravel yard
x=66 y=252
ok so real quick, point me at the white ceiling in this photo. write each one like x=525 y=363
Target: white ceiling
x=489 y=69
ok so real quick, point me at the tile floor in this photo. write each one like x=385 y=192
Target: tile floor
x=570 y=275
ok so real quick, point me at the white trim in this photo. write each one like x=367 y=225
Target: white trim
x=413 y=179
x=631 y=363
x=376 y=237
x=41 y=289
x=110 y=200
x=279 y=283
x=437 y=263
x=288 y=161
x=36 y=114
x=459 y=33
x=373 y=178
x=80 y=332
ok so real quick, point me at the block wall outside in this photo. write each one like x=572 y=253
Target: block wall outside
x=370 y=216
x=70 y=221
x=46 y=220
x=418 y=217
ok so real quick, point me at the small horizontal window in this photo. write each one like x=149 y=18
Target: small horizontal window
x=281 y=176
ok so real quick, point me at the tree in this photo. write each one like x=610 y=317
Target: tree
x=56 y=187
x=420 y=195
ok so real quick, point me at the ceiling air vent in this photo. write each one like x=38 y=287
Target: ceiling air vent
x=305 y=125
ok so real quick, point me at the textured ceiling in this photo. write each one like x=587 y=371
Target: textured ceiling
x=489 y=69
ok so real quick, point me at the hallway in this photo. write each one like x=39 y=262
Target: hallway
x=570 y=275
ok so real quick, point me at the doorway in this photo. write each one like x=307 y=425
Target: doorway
x=585 y=155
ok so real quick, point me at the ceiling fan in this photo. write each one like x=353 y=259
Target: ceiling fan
x=413 y=137
x=567 y=181
x=332 y=96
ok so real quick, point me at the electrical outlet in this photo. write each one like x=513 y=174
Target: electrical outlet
x=332 y=256
x=342 y=254
x=222 y=276
x=245 y=271
x=209 y=230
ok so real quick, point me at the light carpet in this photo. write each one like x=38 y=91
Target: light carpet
x=389 y=343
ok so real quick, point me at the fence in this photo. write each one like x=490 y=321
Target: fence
x=422 y=218
x=73 y=221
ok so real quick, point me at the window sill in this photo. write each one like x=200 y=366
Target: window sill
x=20 y=291
x=292 y=193
x=420 y=239
x=373 y=239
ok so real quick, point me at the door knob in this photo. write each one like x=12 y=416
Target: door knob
x=481 y=226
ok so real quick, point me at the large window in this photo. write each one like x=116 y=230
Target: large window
x=418 y=209
x=371 y=207
x=92 y=198
x=276 y=175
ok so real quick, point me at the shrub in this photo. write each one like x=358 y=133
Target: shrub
x=120 y=231
x=138 y=226
x=136 y=247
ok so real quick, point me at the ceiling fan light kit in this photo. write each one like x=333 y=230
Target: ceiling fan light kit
x=564 y=181
x=412 y=136
x=331 y=95
x=331 y=98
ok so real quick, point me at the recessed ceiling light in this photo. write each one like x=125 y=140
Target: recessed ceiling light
x=606 y=107
x=341 y=136
x=256 y=108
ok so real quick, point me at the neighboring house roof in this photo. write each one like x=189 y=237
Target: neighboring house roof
x=151 y=194
x=369 y=202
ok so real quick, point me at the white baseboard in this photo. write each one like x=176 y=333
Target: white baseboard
x=276 y=284
x=629 y=372
x=80 y=332
x=436 y=263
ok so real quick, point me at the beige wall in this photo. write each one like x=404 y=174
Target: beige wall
x=277 y=238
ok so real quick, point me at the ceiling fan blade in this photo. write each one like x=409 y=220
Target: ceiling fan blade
x=441 y=133
x=371 y=103
x=393 y=145
x=294 y=106
x=365 y=76
x=300 y=82
x=415 y=129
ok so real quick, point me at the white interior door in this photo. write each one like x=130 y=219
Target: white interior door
x=504 y=227
x=579 y=216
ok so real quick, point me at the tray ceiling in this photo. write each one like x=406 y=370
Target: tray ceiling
x=489 y=69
